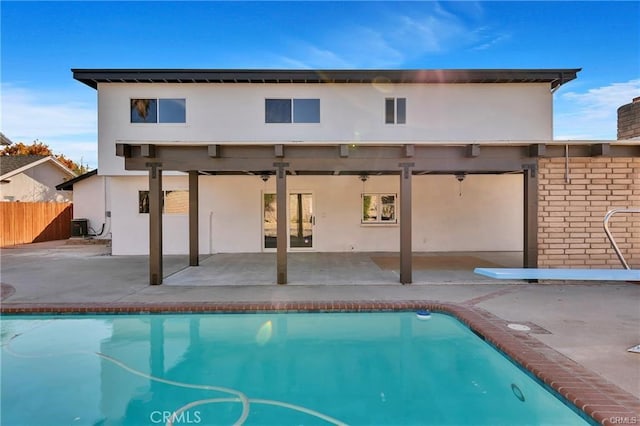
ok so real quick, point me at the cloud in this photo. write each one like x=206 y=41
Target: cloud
x=393 y=39
x=593 y=114
x=31 y=114
x=434 y=32
x=69 y=127
x=488 y=44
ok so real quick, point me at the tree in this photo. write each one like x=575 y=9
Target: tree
x=40 y=148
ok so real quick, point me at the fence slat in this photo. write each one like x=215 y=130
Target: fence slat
x=22 y=223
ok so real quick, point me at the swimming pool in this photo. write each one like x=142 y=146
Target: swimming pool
x=390 y=368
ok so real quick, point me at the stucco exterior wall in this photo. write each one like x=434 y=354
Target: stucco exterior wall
x=487 y=217
x=36 y=184
x=90 y=202
x=349 y=113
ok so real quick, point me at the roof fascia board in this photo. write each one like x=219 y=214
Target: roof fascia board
x=68 y=185
x=555 y=77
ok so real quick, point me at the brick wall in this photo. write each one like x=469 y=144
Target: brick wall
x=629 y=120
x=570 y=232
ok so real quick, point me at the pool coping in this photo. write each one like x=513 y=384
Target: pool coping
x=599 y=399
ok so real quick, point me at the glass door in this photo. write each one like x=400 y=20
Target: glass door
x=269 y=224
x=301 y=220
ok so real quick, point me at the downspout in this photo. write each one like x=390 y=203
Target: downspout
x=567 y=177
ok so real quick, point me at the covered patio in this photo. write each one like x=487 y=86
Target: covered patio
x=280 y=161
x=404 y=161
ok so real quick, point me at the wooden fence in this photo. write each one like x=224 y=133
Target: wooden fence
x=22 y=223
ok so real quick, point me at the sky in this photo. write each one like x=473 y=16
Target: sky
x=42 y=41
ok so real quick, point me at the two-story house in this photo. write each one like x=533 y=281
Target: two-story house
x=209 y=161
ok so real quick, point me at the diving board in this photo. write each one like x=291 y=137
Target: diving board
x=560 y=274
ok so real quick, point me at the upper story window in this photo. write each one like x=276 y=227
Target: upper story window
x=395 y=110
x=292 y=110
x=158 y=110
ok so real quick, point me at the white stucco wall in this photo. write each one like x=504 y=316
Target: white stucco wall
x=235 y=113
x=36 y=184
x=487 y=217
x=90 y=202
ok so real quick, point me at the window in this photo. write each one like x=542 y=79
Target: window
x=379 y=208
x=173 y=202
x=292 y=111
x=158 y=111
x=395 y=110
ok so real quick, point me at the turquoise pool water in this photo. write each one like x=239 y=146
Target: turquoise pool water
x=263 y=369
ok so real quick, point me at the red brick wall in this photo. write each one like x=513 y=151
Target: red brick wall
x=570 y=232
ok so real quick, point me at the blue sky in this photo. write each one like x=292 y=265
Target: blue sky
x=42 y=41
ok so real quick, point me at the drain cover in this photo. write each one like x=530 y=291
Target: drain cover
x=519 y=327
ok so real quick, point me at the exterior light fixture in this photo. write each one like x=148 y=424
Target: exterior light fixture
x=460 y=177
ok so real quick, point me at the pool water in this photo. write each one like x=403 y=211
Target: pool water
x=263 y=369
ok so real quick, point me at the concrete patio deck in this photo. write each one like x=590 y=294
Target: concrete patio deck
x=590 y=323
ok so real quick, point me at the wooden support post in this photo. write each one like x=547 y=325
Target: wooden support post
x=406 y=275
x=281 y=220
x=193 y=218
x=530 y=249
x=155 y=223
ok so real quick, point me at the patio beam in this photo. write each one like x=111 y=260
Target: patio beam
x=327 y=159
x=155 y=223
x=193 y=218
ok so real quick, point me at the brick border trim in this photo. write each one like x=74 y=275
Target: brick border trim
x=604 y=402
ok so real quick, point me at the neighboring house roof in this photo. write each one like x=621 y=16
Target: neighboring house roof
x=4 y=140
x=68 y=185
x=11 y=165
x=556 y=77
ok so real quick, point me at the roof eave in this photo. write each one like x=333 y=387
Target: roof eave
x=555 y=77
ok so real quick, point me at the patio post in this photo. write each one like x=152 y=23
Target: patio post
x=405 y=224
x=281 y=220
x=193 y=218
x=155 y=223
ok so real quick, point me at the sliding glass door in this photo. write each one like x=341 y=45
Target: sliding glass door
x=301 y=221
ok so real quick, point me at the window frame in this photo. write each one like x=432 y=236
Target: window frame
x=395 y=110
x=143 y=196
x=157 y=111
x=292 y=111
x=379 y=218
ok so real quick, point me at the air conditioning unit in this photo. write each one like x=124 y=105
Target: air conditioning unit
x=79 y=227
